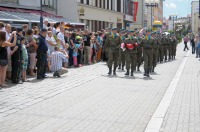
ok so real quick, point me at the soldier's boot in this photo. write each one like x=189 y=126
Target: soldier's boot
x=153 y=69
x=122 y=67
x=131 y=72
x=138 y=68
x=145 y=72
x=110 y=71
x=114 y=71
x=127 y=72
x=148 y=73
x=119 y=66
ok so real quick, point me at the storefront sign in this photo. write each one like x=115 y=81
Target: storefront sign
x=128 y=18
x=81 y=11
x=119 y=20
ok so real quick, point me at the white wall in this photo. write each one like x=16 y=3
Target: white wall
x=33 y=3
x=68 y=9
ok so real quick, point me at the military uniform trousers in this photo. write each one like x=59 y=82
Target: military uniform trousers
x=160 y=54
x=113 y=58
x=165 y=52
x=139 y=57
x=121 y=60
x=41 y=64
x=131 y=60
x=155 y=55
x=169 y=48
x=148 y=57
x=173 y=52
x=16 y=68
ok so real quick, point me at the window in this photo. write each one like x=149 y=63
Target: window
x=82 y=1
x=111 y=4
x=88 y=2
x=104 y=4
x=49 y=4
x=96 y=3
x=100 y=5
x=108 y=1
x=119 y=5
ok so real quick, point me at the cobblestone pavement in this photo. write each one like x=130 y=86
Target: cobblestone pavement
x=87 y=100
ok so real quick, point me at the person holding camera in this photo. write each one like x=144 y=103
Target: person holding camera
x=57 y=58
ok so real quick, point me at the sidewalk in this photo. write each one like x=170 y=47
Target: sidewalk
x=87 y=100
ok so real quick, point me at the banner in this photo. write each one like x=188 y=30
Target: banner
x=135 y=10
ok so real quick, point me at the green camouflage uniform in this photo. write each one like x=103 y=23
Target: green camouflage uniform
x=155 y=54
x=121 y=60
x=174 y=45
x=113 y=43
x=139 y=54
x=160 y=50
x=147 y=45
x=131 y=54
x=164 y=41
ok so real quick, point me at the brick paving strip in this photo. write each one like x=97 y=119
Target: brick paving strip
x=156 y=121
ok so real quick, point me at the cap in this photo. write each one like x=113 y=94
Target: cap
x=19 y=29
x=78 y=37
x=44 y=30
x=114 y=28
x=131 y=31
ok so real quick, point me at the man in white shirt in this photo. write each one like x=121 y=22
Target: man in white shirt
x=45 y=24
x=61 y=36
x=57 y=58
x=51 y=42
x=53 y=28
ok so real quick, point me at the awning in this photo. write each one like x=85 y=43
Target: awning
x=22 y=15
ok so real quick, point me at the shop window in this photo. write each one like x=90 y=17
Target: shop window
x=82 y=1
x=108 y=1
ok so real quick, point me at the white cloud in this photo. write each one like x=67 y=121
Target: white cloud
x=170 y=5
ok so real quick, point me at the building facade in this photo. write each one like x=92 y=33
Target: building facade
x=65 y=8
x=194 y=15
x=100 y=14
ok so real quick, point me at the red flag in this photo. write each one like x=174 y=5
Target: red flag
x=135 y=11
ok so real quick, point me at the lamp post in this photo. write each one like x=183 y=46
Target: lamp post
x=173 y=17
x=152 y=5
x=41 y=17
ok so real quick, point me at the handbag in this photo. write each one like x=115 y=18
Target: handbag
x=3 y=62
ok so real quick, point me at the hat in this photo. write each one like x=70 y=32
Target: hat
x=148 y=30
x=131 y=31
x=44 y=30
x=78 y=37
x=114 y=28
x=122 y=29
x=19 y=29
x=135 y=29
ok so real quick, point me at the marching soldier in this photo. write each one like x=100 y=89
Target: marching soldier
x=105 y=47
x=155 y=52
x=147 y=44
x=113 y=43
x=164 y=41
x=174 y=45
x=139 y=51
x=121 y=51
x=169 y=47
x=131 y=44
x=160 y=48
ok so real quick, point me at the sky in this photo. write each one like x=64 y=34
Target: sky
x=178 y=7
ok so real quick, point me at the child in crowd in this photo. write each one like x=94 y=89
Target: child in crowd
x=78 y=45
x=25 y=60
x=94 y=48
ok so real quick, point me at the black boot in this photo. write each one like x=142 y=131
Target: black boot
x=127 y=72
x=114 y=71
x=110 y=71
x=119 y=66
x=138 y=68
x=131 y=72
x=145 y=72
x=122 y=67
x=153 y=69
x=148 y=73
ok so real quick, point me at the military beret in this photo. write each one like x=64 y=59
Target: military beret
x=114 y=28
x=148 y=30
x=122 y=29
x=131 y=31
x=44 y=30
x=135 y=29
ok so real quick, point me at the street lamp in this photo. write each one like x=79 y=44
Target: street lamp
x=152 y=5
x=41 y=17
x=173 y=17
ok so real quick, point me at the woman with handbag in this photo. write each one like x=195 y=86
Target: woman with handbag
x=4 y=56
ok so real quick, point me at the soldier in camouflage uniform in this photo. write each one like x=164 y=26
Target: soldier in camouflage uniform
x=121 y=51
x=160 y=48
x=174 y=45
x=164 y=41
x=113 y=43
x=105 y=48
x=131 y=52
x=155 y=52
x=169 y=48
x=147 y=44
x=139 y=51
